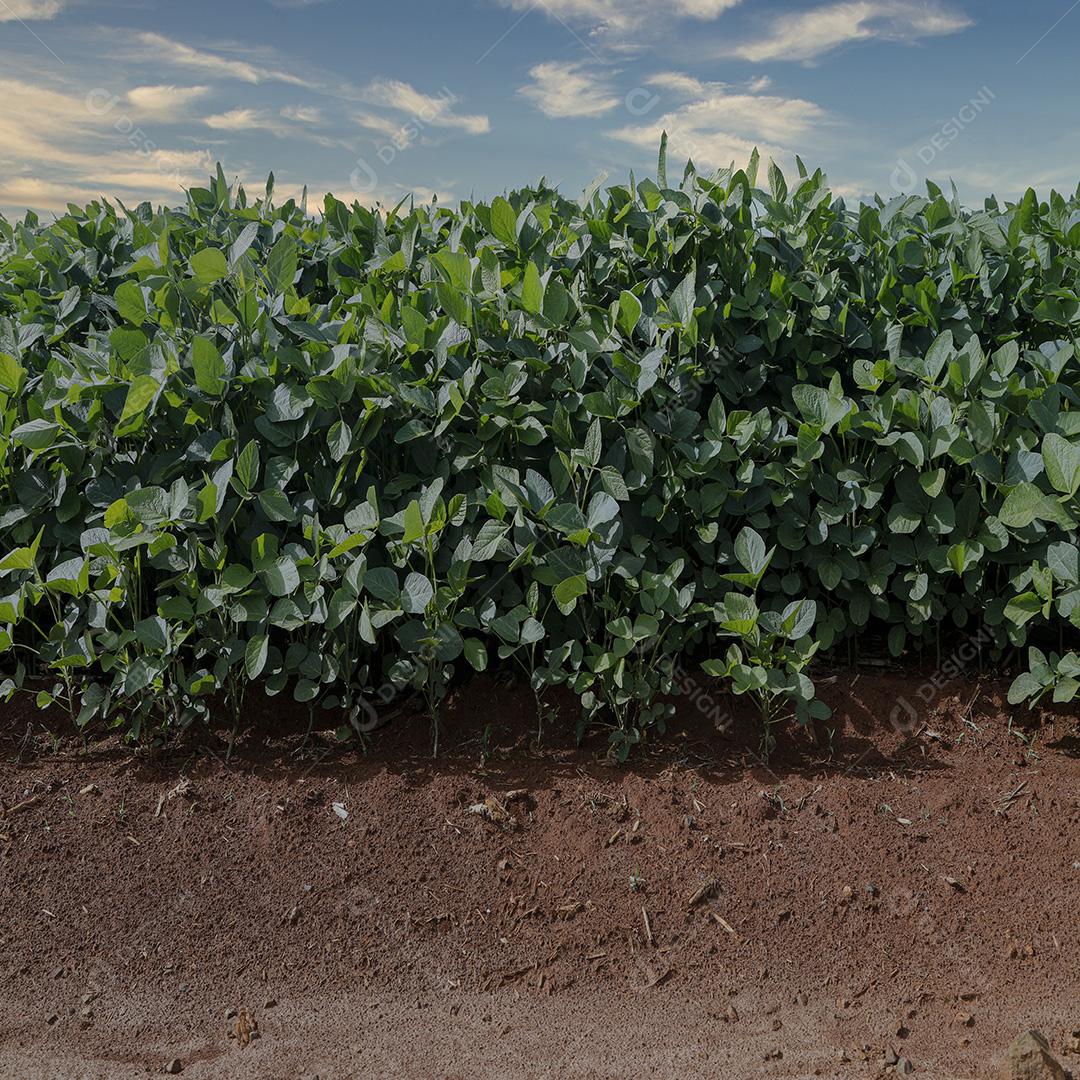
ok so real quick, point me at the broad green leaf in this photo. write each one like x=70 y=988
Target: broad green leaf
x=209 y=367
x=248 y=465
x=281 y=264
x=255 y=655
x=130 y=304
x=570 y=589
x=476 y=653
x=141 y=393
x=209 y=265
x=416 y=593
x=532 y=290
x=504 y=222
x=1062 y=461
x=282 y=577
x=413 y=521
x=629 y=313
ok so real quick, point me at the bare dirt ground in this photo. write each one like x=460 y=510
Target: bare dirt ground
x=880 y=903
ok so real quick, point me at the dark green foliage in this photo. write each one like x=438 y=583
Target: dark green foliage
x=351 y=458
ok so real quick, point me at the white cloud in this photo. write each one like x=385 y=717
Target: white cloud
x=57 y=146
x=806 y=35
x=423 y=109
x=159 y=49
x=302 y=114
x=293 y=121
x=30 y=10
x=163 y=102
x=384 y=125
x=561 y=88
x=242 y=120
x=719 y=124
x=623 y=15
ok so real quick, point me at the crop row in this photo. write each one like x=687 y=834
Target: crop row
x=708 y=421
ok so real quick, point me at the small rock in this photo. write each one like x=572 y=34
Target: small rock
x=904 y=1067
x=174 y=1068
x=52 y=1018
x=1072 y=1043
x=1029 y=1058
x=270 y=1003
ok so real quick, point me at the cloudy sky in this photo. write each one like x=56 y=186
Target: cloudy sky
x=455 y=98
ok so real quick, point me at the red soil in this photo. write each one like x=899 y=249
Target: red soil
x=695 y=913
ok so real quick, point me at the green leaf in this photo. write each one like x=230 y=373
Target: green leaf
x=504 y=223
x=255 y=655
x=532 y=290
x=276 y=506
x=141 y=393
x=36 y=434
x=209 y=367
x=339 y=439
x=209 y=265
x=413 y=521
x=130 y=305
x=1023 y=687
x=684 y=298
x=12 y=373
x=629 y=313
x=20 y=559
x=1023 y=608
x=382 y=583
x=152 y=634
x=476 y=653
x=1064 y=562
x=281 y=264
x=458 y=267
x=305 y=690
x=567 y=591
x=1023 y=505
x=751 y=552
x=593 y=443
x=454 y=303
x=282 y=577
x=416 y=594
x=1062 y=461
x=248 y=465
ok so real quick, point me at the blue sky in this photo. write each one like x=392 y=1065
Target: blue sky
x=137 y=98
